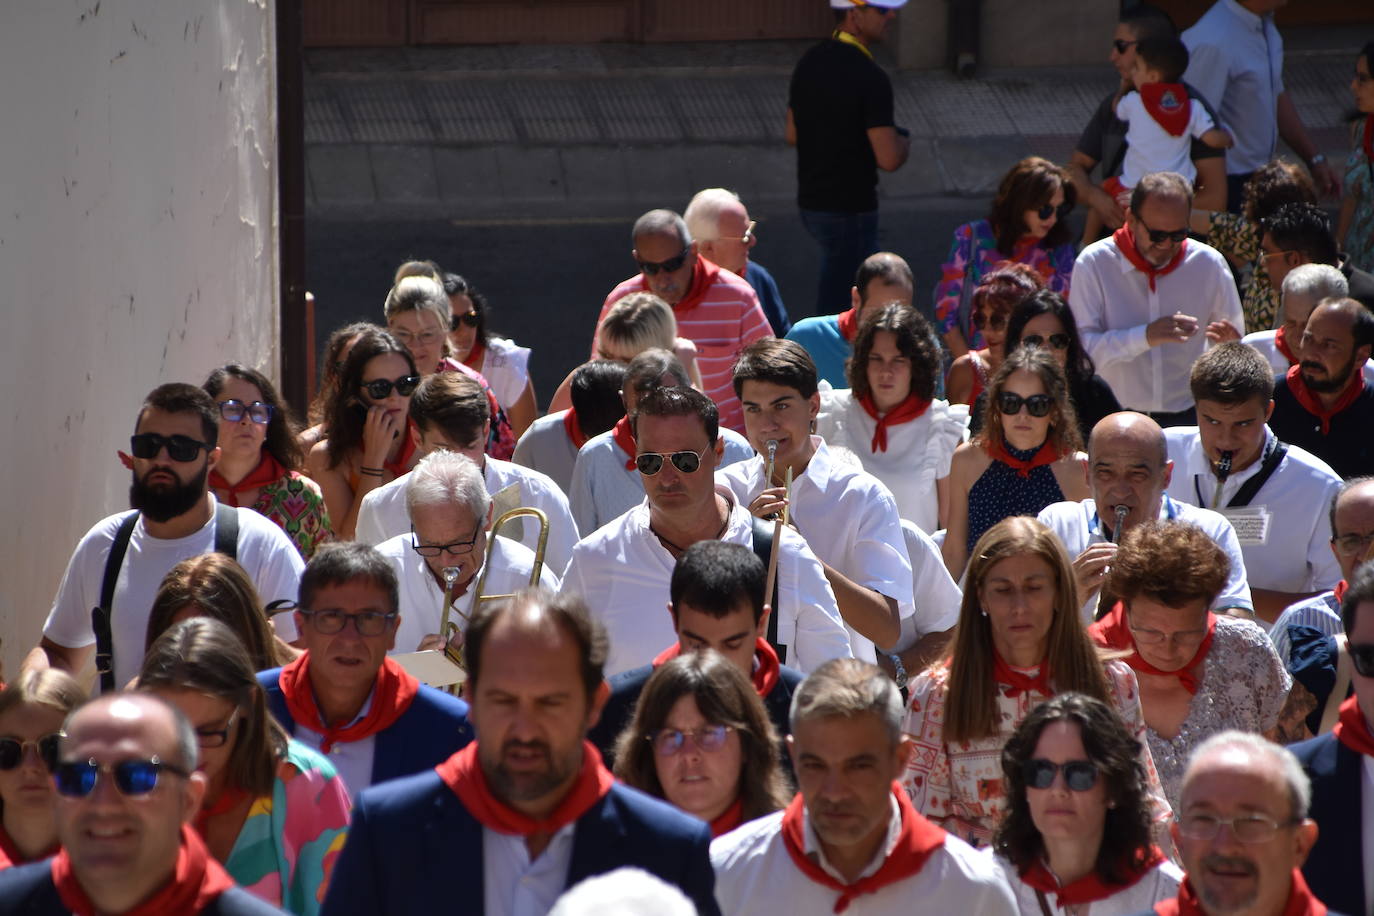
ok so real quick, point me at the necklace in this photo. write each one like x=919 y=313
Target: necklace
x=678 y=550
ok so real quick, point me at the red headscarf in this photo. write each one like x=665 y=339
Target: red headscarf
x=1046 y=454
x=1300 y=901
x=1111 y=631
x=1019 y=682
x=1313 y=405
x=849 y=324
x=905 y=412
x=196 y=881
x=625 y=438
x=463 y=774
x=1352 y=729
x=269 y=470
x=392 y=694
x=1125 y=241
x=1090 y=888
x=573 y=428
x=765 y=675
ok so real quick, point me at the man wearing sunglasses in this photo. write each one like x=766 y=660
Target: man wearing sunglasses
x=176 y=517
x=725 y=236
x=716 y=310
x=127 y=793
x=625 y=567
x=1300 y=233
x=1148 y=301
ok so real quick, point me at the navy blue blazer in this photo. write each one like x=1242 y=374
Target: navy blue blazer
x=29 y=890
x=413 y=848
x=428 y=733
x=1335 y=867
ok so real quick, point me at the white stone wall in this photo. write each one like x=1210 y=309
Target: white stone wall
x=137 y=246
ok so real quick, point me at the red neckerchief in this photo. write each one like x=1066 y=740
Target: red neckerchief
x=196 y=881
x=1125 y=240
x=1169 y=105
x=402 y=463
x=1339 y=591
x=228 y=798
x=1300 y=901
x=1090 y=888
x=905 y=412
x=392 y=694
x=625 y=438
x=849 y=324
x=1352 y=730
x=268 y=471
x=573 y=429
x=918 y=839
x=1312 y=405
x=1281 y=344
x=728 y=819
x=463 y=774
x=10 y=854
x=765 y=676
x=1019 y=682
x=704 y=276
x=1046 y=454
x=475 y=356
x=1111 y=631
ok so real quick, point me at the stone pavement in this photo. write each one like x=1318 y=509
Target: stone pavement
x=549 y=132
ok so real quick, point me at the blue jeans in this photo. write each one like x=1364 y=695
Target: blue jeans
x=845 y=240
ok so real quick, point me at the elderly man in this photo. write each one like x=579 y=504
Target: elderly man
x=715 y=309
x=1243 y=831
x=1148 y=299
x=1300 y=233
x=450 y=520
x=1129 y=467
x=850 y=834
x=724 y=233
x=1275 y=495
x=119 y=564
x=627 y=564
x=550 y=444
x=882 y=278
x=344 y=697
x=127 y=794
x=514 y=819
x=1324 y=403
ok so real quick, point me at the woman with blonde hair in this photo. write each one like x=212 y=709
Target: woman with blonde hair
x=32 y=710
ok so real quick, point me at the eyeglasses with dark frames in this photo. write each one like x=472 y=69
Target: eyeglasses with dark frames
x=1122 y=44
x=12 y=751
x=1059 y=212
x=652 y=268
x=77 y=779
x=1009 y=404
x=233 y=410
x=1079 y=775
x=453 y=548
x=209 y=738
x=1160 y=236
x=668 y=742
x=368 y=623
x=380 y=388
x=1057 y=341
x=146 y=446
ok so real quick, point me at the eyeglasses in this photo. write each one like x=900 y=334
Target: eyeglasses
x=1121 y=44
x=12 y=751
x=471 y=319
x=994 y=322
x=1079 y=775
x=748 y=234
x=179 y=448
x=1059 y=212
x=1009 y=404
x=453 y=548
x=650 y=463
x=424 y=338
x=77 y=779
x=1157 y=638
x=1249 y=828
x=1352 y=544
x=1058 y=341
x=669 y=741
x=233 y=411
x=217 y=737
x=368 y=623
x=1160 y=236
x=1362 y=657
x=380 y=388
x=651 y=268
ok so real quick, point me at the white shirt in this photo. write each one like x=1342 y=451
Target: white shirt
x=422 y=598
x=512 y=885
x=352 y=759
x=1285 y=533
x=1263 y=341
x=1151 y=148
x=505 y=366
x=383 y=513
x=546 y=448
x=1112 y=303
x=755 y=873
x=603 y=488
x=937 y=597
x=1159 y=883
x=1077 y=526
x=264 y=551
x=849 y=520
x=623 y=571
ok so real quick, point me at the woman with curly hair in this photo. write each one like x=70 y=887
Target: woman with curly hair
x=997 y=294
x=336 y=349
x=1077 y=837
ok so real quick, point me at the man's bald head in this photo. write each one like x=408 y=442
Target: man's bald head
x=1128 y=465
x=1129 y=428
x=166 y=730
x=882 y=278
x=539 y=615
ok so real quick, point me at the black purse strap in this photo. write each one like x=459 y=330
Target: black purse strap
x=227 y=531
x=101 y=615
x=1273 y=457
x=763 y=548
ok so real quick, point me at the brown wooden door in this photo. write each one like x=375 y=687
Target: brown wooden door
x=354 y=23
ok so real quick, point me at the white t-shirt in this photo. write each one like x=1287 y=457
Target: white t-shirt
x=546 y=448
x=623 y=571
x=1159 y=883
x=1151 y=148
x=506 y=369
x=264 y=551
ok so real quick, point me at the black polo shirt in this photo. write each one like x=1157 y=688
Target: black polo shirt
x=1349 y=445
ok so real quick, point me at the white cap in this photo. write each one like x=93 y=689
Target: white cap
x=880 y=4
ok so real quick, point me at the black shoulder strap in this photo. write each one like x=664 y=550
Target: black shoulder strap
x=763 y=548
x=1273 y=457
x=102 y=613
x=227 y=531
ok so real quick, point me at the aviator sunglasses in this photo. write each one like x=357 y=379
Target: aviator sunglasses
x=1009 y=404
x=651 y=268
x=380 y=388
x=650 y=463
x=1058 y=341
x=77 y=779
x=180 y=448
x=1079 y=775
x=12 y=751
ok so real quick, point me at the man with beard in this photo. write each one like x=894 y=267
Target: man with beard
x=514 y=819
x=120 y=563
x=1323 y=404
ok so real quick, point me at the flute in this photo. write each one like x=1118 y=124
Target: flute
x=1223 y=471
x=772 y=446
x=1121 y=513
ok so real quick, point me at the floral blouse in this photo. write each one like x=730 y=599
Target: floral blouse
x=1239 y=239
x=1359 y=185
x=296 y=505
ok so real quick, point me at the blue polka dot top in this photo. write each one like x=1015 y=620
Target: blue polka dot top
x=1001 y=493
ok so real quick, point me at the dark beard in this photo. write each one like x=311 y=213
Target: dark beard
x=1333 y=382
x=164 y=504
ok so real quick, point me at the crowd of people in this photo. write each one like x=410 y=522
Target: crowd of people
x=1057 y=603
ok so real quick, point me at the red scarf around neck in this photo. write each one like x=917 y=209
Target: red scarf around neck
x=1352 y=729
x=197 y=880
x=728 y=819
x=1169 y=105
x=1300 y=901
x=475 y=356
x=1313 y=405
x=269 y=470
x=849 y=324
x=1111 y=631
x=625 y=438
x=918 y=839
x=1281 y=344
x=1018 y=682
x=1125 y=240
x=704 y=276
x=463 y=774
x=1340 y=590
x=1090 y=888
x=229 y=797
x=10 y=854
x=401 y=464
x=905 y=412
x=573 y=429
x=1046 y=454
x=392 y=694
x=765 y=676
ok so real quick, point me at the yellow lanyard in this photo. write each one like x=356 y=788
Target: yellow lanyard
x=841 y=35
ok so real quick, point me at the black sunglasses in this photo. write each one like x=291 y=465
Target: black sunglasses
x=77 y=779
x=471 y=319
x=650 y=267
x=380 y=388
x=1160 y=236
x=12 y=751
x=1009 y=404
x=1058 y=341
x=368 y=623
x=1121 y=45
x=179 y=448
x=1362 y=657
x=995 y=322
x=233 y=411
x=1079 y=775
x=650 y=463
x=1061 y=211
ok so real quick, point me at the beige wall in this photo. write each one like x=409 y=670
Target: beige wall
x=137 y=228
